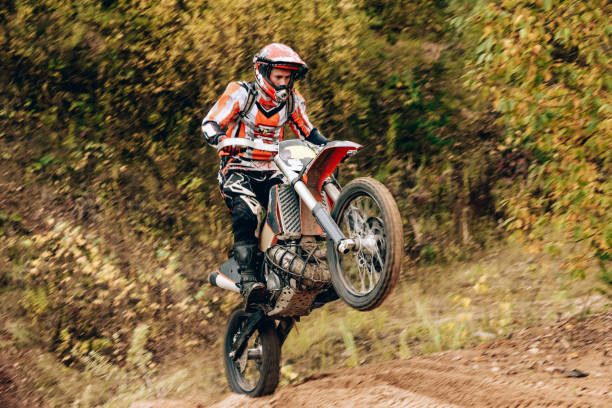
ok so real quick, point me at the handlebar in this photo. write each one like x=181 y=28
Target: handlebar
x=253 y=144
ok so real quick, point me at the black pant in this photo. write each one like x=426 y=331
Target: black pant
x=246 y=195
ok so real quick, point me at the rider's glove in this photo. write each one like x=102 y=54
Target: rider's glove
x=214 y=140
x=317 y=138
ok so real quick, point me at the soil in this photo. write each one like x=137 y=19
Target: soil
x=568 y=364
x=15 y=384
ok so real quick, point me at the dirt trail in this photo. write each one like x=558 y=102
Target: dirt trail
x=565 y=365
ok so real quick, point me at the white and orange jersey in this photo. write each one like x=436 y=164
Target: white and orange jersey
x=263 y=120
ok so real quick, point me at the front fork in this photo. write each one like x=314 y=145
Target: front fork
x=331 y=190
x=318 y=211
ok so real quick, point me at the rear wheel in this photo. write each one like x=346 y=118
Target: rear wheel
x=366 y=212
x=256 y=371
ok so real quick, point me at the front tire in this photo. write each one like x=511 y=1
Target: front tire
x=256 y=371
x=366 y=210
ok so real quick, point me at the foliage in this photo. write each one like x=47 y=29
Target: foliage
x=81 y=300
x=9 y=221
x=477 y=115
x=109 y=95
x=546 y=68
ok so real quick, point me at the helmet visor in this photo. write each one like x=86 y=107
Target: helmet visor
x=298 y=70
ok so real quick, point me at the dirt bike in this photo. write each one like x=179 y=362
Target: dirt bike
x=319 y=242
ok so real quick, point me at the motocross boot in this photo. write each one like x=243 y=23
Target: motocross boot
x=251 y=289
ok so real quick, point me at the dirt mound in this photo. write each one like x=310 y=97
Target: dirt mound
x=568 y=364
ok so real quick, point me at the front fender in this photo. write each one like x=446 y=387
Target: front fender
x=325 y=163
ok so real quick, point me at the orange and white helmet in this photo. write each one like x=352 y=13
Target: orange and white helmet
x=277 y=55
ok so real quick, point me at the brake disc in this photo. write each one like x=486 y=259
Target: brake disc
x=241 y=362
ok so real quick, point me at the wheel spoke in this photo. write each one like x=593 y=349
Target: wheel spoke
x=361 y=271
x=377 y=252
x=367 y=207
x=362 y=219
x=347 y=219
x=241 y=363
x=372 y=273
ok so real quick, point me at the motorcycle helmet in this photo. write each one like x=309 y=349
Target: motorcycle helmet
x=277 y=55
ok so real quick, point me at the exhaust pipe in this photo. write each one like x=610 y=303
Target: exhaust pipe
x=221 y=281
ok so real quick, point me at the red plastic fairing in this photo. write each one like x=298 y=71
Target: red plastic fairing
x=324 y=165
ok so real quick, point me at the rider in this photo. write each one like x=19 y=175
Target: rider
x=256 y=110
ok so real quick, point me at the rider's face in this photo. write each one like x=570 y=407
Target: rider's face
x=280 y=77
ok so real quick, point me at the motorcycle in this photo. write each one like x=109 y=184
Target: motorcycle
x=318 y=242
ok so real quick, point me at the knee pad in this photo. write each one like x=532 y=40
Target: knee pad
x=256 y=209
x=246 y=218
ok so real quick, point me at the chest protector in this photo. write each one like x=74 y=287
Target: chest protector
x=261 y=120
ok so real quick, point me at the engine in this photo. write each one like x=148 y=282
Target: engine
x=294 y=281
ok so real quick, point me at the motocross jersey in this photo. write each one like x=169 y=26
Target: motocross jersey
x=263 y=120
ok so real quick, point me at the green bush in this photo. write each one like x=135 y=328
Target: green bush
x=545 y=67
x=111 y=94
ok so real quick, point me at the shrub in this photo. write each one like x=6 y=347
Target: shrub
x=545 y=67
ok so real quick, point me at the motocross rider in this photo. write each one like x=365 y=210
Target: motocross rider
x=256 y=110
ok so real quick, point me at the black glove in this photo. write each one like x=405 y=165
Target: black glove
x=213 y=140
x=317 y=138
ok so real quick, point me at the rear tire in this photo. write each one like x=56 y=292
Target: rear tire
x=256 y=371
x=366 y=210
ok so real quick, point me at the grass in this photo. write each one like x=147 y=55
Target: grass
x=432 y=309
x=444 y=307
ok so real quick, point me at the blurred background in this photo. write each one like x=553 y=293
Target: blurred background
x=491 y=122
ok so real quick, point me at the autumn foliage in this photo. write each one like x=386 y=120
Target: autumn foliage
x=546 y=67
x=486 y=120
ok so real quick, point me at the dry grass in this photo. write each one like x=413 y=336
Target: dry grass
x=445 y=307
x=432 y=309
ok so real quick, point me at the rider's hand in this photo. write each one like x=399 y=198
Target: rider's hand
x=233 y=150
x=317 y=138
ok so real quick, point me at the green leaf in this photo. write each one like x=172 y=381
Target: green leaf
x=46 y=160
x=591 y=126
x=563 y=35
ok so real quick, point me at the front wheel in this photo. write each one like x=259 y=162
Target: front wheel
x=367 y=212
x=256 y=371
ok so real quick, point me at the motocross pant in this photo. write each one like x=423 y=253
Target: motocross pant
x=246 y=195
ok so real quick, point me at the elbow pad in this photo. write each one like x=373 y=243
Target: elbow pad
x=317 y=138
x=211 y=132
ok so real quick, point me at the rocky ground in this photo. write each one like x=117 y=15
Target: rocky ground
x=568 y=364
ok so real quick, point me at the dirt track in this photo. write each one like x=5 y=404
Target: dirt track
x=565 y=365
